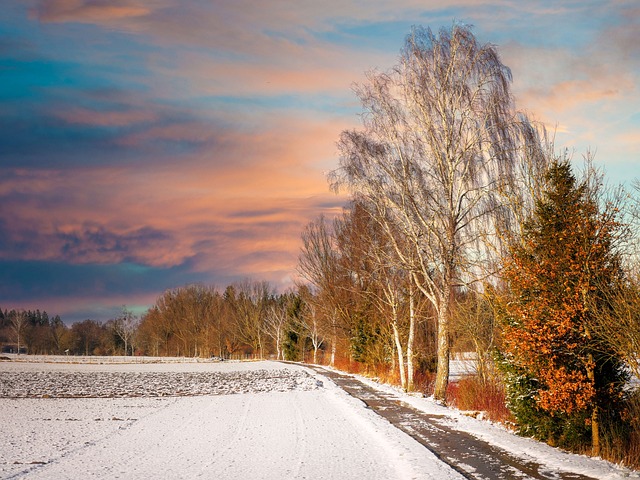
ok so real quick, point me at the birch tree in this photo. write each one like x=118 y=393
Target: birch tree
x=275 y=323
x=125 y=327
x=19 y=322
x=439 y=144
x=391 y=289
x=312 y=322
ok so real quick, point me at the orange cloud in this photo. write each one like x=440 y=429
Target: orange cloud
x=317 y=68
x=571 y=94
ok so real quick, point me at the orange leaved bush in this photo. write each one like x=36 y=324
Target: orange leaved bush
x=554 y=276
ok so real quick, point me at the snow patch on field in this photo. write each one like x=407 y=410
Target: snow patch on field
x=88 y=381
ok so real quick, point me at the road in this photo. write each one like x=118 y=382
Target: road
x=468 y=455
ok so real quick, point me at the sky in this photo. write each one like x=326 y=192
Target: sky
x=150 y=144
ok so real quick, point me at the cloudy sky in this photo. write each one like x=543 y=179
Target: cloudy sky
x=147 y=144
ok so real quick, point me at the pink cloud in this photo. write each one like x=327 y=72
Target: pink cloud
x=628 y=141
x=310 y=75
x=88 y=11
x=571 y=94
x=187 y=132
x=98 y=307
x=578 y=94
x=246 y=48
x=98 y=118
x=239 y=203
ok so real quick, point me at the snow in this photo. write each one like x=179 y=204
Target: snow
x=287 y=422
x=262 y=420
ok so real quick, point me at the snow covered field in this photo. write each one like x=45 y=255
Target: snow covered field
x=218 y=420
x=284 y=423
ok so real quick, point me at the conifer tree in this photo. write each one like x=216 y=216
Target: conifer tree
x=561 y=383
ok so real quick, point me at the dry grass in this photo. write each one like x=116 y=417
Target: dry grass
x=347 y=365
x=622 y=445
x=472 y=394
x=424 y=382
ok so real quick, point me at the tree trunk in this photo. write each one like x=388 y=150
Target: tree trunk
x=591 y=375
x=595 y=418
x=411 y=340
x=393 y=357
x=333 y=352
x=396 y=336
x=595 y=432
x=334 y=341
x=442 y=371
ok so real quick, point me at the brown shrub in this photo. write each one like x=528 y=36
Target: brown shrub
x=488 y=397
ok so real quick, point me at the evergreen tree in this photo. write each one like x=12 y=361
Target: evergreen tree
x=561 y=384
x=293 y=342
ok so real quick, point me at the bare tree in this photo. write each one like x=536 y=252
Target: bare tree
x=440 y=143
x=125 y=327
x=312 y=321
x=475 y=324
x=58 y=330
x=275 y=323
x=392 y=288
x=88 y=338
x=19 y=321
x=616 y=320
x=250 y=307
x=199 y=309
x=217 y=325
x=319 y=264
x=617 y=326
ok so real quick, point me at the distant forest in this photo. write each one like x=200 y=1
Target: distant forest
x=246 y=319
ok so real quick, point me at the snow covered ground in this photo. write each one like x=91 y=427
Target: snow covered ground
x=264 y=420
x=218 y=420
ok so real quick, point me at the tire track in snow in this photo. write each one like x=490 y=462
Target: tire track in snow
x=230 y=448
x=301 y=440
x=42 y=469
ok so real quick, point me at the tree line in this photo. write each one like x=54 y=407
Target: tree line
x=36 y=333
x=32 y=331
x=246 y=319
